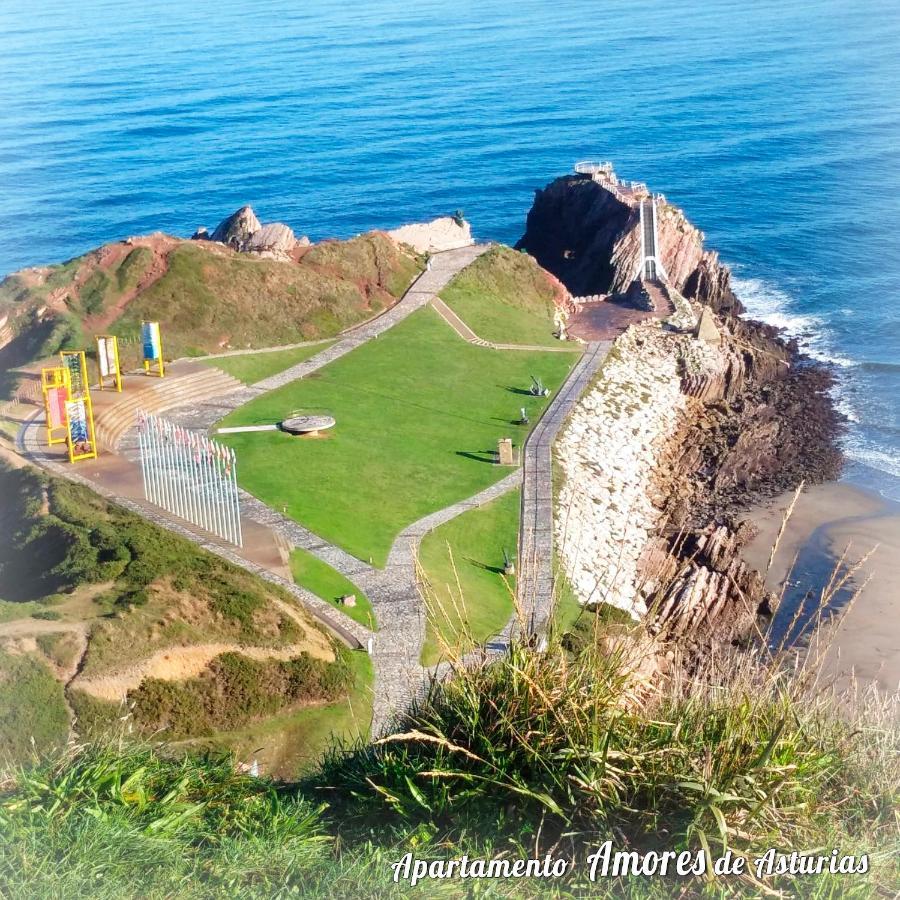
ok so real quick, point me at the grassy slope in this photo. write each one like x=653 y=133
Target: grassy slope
x=206 y=298
x=482 y=602
x=327 y=583
x=253 y=367
x=548 y=752
x=68 y=553
x=32 y=706
x=505 y=297
x=293 y=742
x=419 y=412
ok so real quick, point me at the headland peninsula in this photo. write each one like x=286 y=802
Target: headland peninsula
x=394 y=490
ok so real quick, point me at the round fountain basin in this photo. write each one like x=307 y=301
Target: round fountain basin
x=307 y=424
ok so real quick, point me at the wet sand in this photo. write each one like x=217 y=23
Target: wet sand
x=827 y=521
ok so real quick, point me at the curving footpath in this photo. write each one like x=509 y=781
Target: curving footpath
x=424 y=290
x=466 y=333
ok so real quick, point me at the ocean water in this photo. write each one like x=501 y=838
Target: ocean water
x=775 y=125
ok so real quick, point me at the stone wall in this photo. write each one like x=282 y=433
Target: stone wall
x=609 y=451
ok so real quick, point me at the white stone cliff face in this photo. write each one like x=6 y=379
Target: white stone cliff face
x=609 y=451
x=435 y=236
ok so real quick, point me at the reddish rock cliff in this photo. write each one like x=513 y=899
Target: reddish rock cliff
x=587 y=236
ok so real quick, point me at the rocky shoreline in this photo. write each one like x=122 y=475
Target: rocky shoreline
x=653 y=493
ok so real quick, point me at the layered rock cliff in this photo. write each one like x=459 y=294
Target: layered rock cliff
x=587 y=235
x=679 y=432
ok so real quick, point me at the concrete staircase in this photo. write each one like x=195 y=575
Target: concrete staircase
x=114 y=418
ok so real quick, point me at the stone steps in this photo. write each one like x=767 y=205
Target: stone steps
x=114 y=421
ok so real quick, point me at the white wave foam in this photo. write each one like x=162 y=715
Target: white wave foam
x=873 y=457
x=772 y=305
x=845 y=408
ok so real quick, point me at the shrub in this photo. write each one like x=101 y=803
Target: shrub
x=235 y=690
x=49 y=615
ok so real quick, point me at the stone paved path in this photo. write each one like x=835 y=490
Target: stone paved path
x=535 y=586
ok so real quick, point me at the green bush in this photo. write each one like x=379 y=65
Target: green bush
x=235 y=690
x=49 y=615
x=82 y=539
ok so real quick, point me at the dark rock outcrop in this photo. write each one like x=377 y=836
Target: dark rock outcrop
x=755 y=428
x=759 y=421
x=589 y=237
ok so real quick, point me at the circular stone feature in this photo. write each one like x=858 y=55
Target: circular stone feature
x=307 y=424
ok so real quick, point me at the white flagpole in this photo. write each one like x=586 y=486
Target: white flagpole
x=187 y=456
x=210 y=487
x=172 y=450
x=195 y=478
x=153 y=438
x=237 y=499
x=221 y=518
x=167 y=454
x=143 y=458
x=221 y=509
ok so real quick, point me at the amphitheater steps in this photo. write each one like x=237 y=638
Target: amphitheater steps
x=114 y=420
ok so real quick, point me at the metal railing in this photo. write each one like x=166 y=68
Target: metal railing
x=589 y=167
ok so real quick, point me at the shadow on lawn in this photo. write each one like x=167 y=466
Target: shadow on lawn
x=485 y=456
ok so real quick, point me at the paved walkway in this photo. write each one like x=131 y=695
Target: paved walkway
x=444 y=266
x=466 y=333
x=535 y=585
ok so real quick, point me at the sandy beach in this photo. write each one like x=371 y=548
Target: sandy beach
x=828 y=521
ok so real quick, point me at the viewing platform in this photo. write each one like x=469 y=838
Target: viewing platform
x=630 y=192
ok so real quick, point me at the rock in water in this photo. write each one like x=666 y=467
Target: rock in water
x=588 y=235
x=201 y=234
x=238 y=228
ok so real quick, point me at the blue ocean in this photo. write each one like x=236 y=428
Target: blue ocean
x=775 y=125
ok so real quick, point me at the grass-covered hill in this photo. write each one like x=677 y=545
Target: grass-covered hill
x=97 y=604
x=205 y=295
x=507 y=298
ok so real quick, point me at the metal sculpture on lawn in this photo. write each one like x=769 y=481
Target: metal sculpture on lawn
x=190 y=476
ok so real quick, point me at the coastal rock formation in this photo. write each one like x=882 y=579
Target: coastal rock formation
x=633 y=473
x=275 y=240
x=445 y=233
x=588 y=235
x=237 y=229
x=608 y=452
x=243 y=231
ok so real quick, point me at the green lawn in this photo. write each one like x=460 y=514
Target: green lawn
x=289 y=744
x=253 y=367
x=419 y=412
x=505 y=297
x=481 y=604
x=327 y=583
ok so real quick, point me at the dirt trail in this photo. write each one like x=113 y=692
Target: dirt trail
x=161 y=246
x=180 y=663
